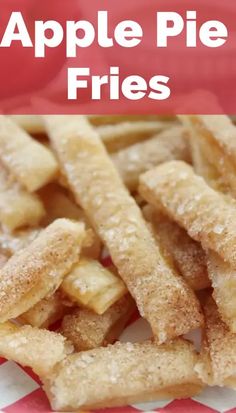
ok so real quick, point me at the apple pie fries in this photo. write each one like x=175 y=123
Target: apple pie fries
x=162 y=296
x=106 y=219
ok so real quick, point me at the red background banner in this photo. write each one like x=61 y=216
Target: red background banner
x=201 y=79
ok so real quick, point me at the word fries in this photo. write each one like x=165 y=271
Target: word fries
x=91 y=285
x=31 y=163
x=162 y=297
x=131 y=162
x=218 y=356
x=121 y=135
x=37 y=271
x=187 y=254
x=39 y=349
x=128 y=373
x=204 y=213
x=87 y=330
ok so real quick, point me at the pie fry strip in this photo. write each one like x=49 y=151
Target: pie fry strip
x=38 y=270
x=45 y=312
x=123 y=134
x=136 y=159
x=218 y=355
x=58 y=205
x=33 y=347
x=162 y=296
x=205 y=213
x=87 y=330
x=17 y=207
x=91 y=285
x=201 y=152
x=223 y=278
x=128 y=373
x=187 y=254
x=31 y=163
x=217 y=134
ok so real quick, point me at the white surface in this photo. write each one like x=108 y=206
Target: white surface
x=14 y=384
x=148 y=407
x=221 y=399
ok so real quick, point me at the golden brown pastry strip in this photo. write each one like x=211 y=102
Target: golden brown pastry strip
x=39 y=349
x=163 y=298
x=122 y=374
x=93 y=286
x=136 y=159
x=87 y=330
x=59 y=205
x=38 y=270
x=121 y=135
x=221 y=273
x=203 y=212
x=204 y=160
x=45 y=312
x=218 y=356
x=186 y=254
x=217 y=135
x=223 y=278
x=17 y=207
x=31 y=163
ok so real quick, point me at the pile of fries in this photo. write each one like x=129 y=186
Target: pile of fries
x=157 y=195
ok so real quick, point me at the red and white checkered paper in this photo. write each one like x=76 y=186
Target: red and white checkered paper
x=21 y=392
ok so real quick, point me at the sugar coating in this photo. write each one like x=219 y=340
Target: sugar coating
x=30 y=162
x=221 y=129
x=37 y=348
x=187 y=254
x=205 y=213
x=136 y=159
x=162 y=297
x=122 y=373
x=220 y=345
x=217 y=135
x=87 y=330
x=223 y=278
x=205 y=156
x=93 y=286
x=38 y=270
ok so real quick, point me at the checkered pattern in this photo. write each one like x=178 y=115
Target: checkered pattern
x=21 y=392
